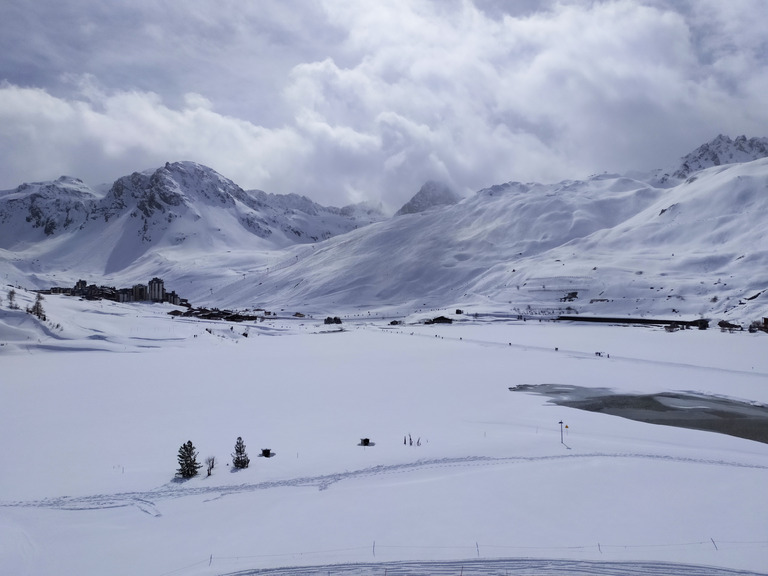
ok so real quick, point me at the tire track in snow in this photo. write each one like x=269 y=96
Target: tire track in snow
x=146 y=501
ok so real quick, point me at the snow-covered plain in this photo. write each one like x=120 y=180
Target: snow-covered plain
x=95 y=402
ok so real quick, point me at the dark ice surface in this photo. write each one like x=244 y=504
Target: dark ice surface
x=682 y=409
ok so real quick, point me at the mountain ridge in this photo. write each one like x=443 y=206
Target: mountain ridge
x=161 y=209
x=717 y=152
x=609 y=244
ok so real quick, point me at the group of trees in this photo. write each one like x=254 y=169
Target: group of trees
x=36 y=309
x=189 y=466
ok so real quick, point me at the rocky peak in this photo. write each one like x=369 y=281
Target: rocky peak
x=721 y=150
x=430 y=195
x=45 y=207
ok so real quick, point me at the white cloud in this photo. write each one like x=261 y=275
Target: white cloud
x=130 y=131
x=341 y=101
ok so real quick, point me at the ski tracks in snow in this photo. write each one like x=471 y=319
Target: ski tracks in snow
x=500 y=567
x=147 y=501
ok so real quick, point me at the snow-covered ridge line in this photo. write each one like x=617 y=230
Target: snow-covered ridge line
x=155 y=198
x=609 y=245
x=720 y=151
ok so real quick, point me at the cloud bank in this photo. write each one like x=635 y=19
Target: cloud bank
x=345 y=102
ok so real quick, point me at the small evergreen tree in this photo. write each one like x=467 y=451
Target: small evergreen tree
x=240 y=457
x=37 y=307
x=12 y=300
x=188 y=464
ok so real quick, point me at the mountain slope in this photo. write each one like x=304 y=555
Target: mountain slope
x=436 y=256
x=154 y=219
x=701 y=249
x=33 y=212
x=609 y=245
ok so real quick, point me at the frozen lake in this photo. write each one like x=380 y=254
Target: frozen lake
x=695 y=411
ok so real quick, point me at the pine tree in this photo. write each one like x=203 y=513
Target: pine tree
x=37 y=307
x=12 y=300
x=188 y=464
x=240 y=457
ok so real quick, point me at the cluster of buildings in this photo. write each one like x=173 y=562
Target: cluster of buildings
x=153 y=291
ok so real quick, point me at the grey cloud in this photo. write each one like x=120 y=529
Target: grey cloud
x=235 y=53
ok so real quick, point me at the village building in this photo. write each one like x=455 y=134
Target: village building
x=139 y=292
x=154 y=291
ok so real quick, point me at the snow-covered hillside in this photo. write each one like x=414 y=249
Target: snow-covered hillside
x=148 y=222
x=609 y=245
x=690 y=246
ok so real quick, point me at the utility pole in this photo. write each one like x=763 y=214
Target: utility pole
x=561 y=432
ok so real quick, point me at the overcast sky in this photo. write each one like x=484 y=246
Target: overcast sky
x=344 y=101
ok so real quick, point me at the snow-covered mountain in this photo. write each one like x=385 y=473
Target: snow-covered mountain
x=157 y=198
x=431 y=195
x=159 y=218
x=721 y=150
x=608 y=245
x=32 y=212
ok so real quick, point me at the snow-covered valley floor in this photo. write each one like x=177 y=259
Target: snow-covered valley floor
x=95 y=403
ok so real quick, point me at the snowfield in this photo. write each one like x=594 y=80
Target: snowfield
x=95 y=402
